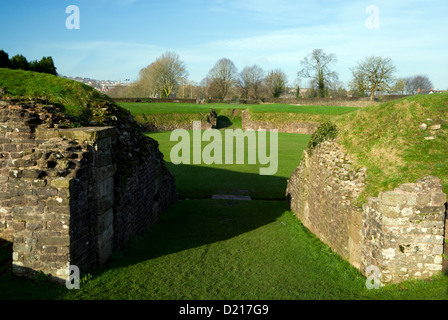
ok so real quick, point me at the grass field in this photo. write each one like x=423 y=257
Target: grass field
x=162 y=108
x=235 y=178
x=229 y=115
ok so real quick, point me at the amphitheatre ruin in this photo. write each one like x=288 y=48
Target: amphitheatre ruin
x=74 y=192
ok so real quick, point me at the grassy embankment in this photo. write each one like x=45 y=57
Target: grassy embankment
x=73 y=97
x=229 y=115
x=387 y=140
x=183 y=114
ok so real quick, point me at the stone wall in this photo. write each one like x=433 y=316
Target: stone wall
x=170 y=122
x=291 y=127
x=66 y=198
x=155 y=127
x=401 y=232
x=321 y=192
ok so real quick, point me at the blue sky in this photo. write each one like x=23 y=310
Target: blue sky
x=119 y=37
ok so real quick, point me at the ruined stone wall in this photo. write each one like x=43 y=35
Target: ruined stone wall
x=64 y=198
x=144 y=194
x=292 y=127
x=401 y=232
x=321 y=192
x=170 y=122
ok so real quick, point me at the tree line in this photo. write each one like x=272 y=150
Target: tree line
x=168 y=77
x=45 y=65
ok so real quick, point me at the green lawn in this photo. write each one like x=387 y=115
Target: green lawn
x=210 y=249
x=229 y=115
x=285 y=108
x=162 y=108
x=224 y=250
x=235 y=178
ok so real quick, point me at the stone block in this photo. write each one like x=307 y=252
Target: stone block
x=54 y=258
x=57 y=226
x=54 y=241
x=431 y=210
x=431 y=239
x=39 y=183
x=62 y=183
x=437 y=250
x=438 y=199
x=395 y=221
x=22 y=248
x=423 y=199
x=18 y=226
x=411 y=187
x=104 y=221
x=433 y=267
x=104 y=188
x=22 y=163
x=391 y=198
x=105 y=244
x=389 y=211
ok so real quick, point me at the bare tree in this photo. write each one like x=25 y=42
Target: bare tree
x=374 y=74
x=399 y=86
x=169 y=71
x=250 y=81
x=222 y=77
x=358 y=83
x=413 y=83
x=337 y=89
x=162 y=76
x=316 y=66
x=276 y=82
x=147 y=84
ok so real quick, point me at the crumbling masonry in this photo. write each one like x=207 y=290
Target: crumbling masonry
x=67 y=196
x=400 y=232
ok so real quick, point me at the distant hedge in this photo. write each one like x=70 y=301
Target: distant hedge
x=45 y=65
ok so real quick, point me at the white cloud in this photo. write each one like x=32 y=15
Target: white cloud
x=104 y=59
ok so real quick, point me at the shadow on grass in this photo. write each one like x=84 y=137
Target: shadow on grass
x=17 y=288
x=223 y=122
x=203 y=182
x=200 y=220
x=187 y=224
x=195 y=223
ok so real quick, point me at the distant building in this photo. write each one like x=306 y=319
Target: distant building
x=100 y=85
x=305 y=92
x=429 y=91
